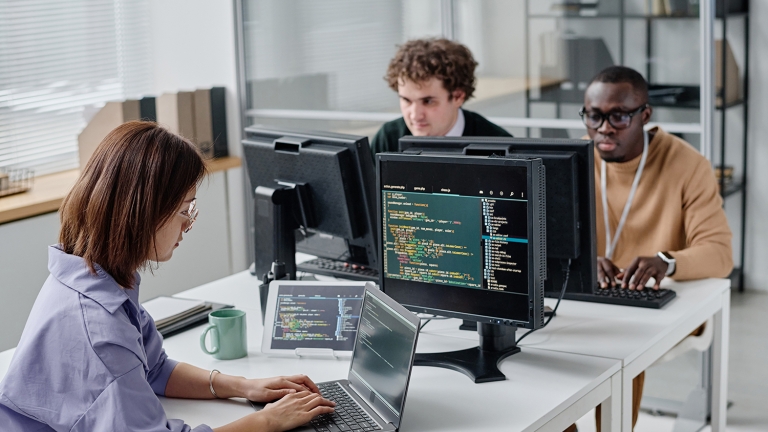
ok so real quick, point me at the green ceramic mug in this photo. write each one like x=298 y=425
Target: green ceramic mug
x=228 y=336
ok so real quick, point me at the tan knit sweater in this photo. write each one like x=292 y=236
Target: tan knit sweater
x=677 y=208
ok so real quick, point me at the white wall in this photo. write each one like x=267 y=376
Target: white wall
x=203 y=256
x=23 y=270
x=756 y=253
x=194 y=47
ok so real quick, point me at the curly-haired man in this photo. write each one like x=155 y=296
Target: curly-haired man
x=433 y=78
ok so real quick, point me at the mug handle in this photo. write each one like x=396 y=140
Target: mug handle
x=214 y=340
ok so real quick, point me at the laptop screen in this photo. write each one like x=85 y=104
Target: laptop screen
x=383 y=352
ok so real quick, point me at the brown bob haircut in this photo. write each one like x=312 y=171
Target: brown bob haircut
x=420 y=60
x=133 y=184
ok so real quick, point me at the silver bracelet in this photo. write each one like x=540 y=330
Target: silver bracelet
x=210 y=383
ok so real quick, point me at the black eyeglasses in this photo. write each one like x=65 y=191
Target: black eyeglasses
x=617 y=119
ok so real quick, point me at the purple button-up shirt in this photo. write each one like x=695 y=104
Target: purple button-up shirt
x=89 y=359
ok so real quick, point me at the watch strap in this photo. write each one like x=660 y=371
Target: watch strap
x=671 y=262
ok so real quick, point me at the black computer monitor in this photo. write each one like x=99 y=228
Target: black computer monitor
x=316 y=186
x=570 y=194
x=464 y=237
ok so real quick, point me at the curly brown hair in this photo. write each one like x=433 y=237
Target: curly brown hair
x=420 y=60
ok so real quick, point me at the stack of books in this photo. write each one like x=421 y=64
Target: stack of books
x=173 y=315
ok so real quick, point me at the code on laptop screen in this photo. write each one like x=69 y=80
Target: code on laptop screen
x=382 y=356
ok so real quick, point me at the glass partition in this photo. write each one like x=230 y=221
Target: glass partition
x=320 y=65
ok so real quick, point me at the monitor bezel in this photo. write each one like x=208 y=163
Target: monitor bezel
x=535 y=306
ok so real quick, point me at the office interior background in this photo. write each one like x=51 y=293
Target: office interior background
x=320 y=65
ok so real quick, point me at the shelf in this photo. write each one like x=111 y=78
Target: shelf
x=692 y=104
x=634 y=16
x=732 y=188
x=48 y=191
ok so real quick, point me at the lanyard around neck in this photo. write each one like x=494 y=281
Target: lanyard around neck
x=610 y=243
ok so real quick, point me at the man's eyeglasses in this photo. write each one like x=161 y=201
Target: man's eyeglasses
x=617 y=119
x=191 y=214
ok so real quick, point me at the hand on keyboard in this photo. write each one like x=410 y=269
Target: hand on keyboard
x=641 y=270
x=349 y=416
x=271 y=389
x=635 y=276
x=296 y=409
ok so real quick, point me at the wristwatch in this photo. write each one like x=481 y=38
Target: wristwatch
x=670 y=260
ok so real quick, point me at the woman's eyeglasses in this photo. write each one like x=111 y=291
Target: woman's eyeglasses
x=191 y=214
x=617 y=119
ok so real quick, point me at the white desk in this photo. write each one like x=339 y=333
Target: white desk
x=636 y=336
x=546 y=390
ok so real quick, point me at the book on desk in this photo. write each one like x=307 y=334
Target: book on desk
x=173 y=315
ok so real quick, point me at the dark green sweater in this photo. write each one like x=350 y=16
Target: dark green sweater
x=386 y=138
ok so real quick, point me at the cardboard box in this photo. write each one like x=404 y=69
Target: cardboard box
x=176 y=111
x=110 y=116
x=732 y=78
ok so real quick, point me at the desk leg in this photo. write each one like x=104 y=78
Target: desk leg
x=720 y=364
x=626 y=401
x=610 y=413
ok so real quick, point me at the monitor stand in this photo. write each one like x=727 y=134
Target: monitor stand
x=278 y=212
x=480 y=363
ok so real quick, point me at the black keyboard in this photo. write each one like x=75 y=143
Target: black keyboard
x=341 y=269
x=349 y=416
x=647 y=297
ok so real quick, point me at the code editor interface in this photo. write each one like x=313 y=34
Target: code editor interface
x=464 y=234
x=306 y=319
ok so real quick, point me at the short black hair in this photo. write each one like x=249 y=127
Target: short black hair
x=623 y=74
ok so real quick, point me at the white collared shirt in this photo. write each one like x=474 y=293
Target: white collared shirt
x=458 y=128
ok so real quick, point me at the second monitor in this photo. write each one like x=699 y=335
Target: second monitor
x=465 y=237
x=313 y=193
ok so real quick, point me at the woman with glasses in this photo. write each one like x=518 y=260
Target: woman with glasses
x=90 y=357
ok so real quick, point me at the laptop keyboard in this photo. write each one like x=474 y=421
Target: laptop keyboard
x=349 y=416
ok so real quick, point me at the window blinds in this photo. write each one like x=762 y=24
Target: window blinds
x=59 y=60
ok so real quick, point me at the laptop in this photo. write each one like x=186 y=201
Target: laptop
x=372 y=398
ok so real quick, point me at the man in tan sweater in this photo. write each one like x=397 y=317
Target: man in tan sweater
x=676 y=210
x=675 y=225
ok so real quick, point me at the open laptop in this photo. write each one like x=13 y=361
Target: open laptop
x=372 y=398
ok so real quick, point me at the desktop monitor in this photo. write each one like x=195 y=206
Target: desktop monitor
x=464 y=237
x=315 y=187
x=571 y=223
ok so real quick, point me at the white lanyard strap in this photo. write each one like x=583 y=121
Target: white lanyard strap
x=610 y=243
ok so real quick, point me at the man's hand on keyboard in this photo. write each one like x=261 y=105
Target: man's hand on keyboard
x=606 y=272
x=641 y=270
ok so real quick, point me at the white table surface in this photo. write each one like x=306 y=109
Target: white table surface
x=635 y=336
x=545 y=390
x=618 y=332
